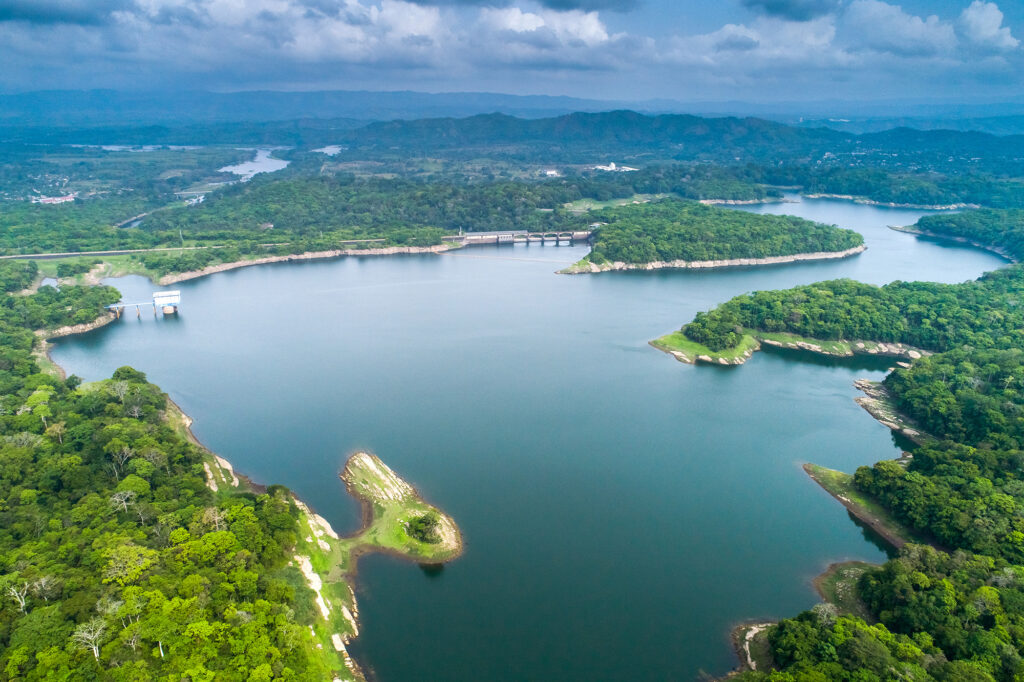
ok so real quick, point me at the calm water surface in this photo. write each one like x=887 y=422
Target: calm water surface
x=621 y=510
x=263 y=162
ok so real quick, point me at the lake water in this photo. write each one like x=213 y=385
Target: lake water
x=263 y=162
x=621 y=510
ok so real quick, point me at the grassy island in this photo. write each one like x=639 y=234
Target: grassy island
x=391 y=509
x=688 y=234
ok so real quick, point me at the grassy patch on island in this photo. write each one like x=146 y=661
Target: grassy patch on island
x=686 y=350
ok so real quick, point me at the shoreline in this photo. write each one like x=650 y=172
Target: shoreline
x=999 y=251
x=869 y=519
x=742 y=636
x=877 y=401
x=753 y=342
x=174 y=278
x=586 y=267
x=746 y=202
x=891 y=204
x=333 y=587
x=73 y=329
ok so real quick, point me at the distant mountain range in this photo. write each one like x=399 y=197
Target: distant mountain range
x=634 y=136
x=576 y=138
x=111 y=108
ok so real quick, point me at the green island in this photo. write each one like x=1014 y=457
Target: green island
x=688 y=234
x=950 y=606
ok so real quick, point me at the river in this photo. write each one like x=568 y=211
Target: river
x=621 y=510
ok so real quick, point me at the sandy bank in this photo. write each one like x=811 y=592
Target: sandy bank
x=744 y=202
x=300 y=257
x=890 y=204
x=742 y=638
x=586 y=267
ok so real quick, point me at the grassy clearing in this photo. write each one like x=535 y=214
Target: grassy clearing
x=584 y=205
x=840 y=486
x=686 y=350
x=101 y=268
x=838 y=586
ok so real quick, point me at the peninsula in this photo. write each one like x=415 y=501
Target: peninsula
x=674 y=233
x=958 y=396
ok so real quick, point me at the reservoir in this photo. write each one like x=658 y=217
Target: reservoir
x=621 y=510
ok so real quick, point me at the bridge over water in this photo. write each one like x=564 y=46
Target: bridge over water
x=167 y=301
x=520 y=237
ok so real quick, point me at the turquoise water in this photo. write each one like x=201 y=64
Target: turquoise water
x=621 y=510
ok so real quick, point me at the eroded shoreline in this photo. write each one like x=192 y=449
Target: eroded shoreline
x=891 y=204
x=322 y=557
x=300 y=257
x=587 y=267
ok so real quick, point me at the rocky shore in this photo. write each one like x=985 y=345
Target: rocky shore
x=890 y=204
x=879 y=404
x=70 y=330
x=300 y=257
x=585 y=266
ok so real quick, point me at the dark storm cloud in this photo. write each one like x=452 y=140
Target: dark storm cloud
x=83 y=12
x=795 y=10
x=561 y=5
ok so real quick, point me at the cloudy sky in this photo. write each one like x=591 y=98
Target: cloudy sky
x=692 y=50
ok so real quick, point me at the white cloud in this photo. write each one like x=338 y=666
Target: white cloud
x=981 y=24
x=765 y=43
x=572 y=27
x=511 y=19
x=879 y=26
x=856 y=46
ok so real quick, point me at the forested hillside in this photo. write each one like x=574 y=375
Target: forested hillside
x=671 y=229
x=941 y=616
x=116 y=560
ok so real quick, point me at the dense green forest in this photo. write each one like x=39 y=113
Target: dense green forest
x=672 y=229
x=985 y=313
x=116 y=560
x=941 y=616
x=304 y=211
x=947 y=617
x=1002 y=229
